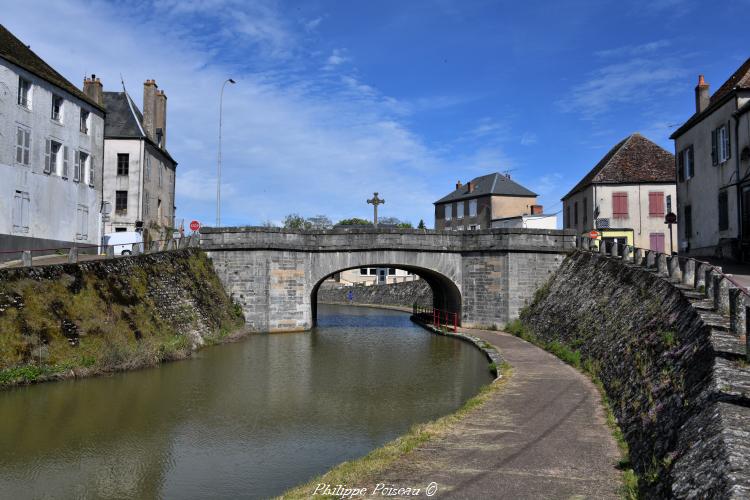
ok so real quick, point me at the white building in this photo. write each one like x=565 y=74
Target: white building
x=139 y=172
x=374 y=276
x=529 y=221
x=713 y=181
x=51 y=150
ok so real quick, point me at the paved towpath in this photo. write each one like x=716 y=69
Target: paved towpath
x=542 y=435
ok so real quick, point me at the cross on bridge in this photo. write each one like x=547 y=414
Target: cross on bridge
x=375 y=201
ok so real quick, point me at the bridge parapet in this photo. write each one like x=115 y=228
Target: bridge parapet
x=368 y=239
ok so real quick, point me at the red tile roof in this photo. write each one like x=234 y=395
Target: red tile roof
x=634 y=160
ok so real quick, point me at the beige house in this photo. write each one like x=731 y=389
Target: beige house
x=713 y=181
x=626 y=196
x=374 y=276
x=477 y=203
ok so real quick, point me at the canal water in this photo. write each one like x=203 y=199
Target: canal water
x=242 y=420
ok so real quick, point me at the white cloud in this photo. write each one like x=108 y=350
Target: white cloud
x=529 y=139
x=335 y=59
x=634 y=50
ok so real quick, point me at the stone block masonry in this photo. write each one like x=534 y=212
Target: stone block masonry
x=673 y=371
x=396 y=294
x=81 y=319
x=487 y=276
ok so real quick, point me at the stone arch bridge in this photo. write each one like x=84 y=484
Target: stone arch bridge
x=487 y=276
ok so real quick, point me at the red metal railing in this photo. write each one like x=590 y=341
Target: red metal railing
x=437 y=317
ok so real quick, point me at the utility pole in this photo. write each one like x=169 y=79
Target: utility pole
x=375 y=201
x=218 y=163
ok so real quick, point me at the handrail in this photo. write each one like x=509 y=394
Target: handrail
x=438 y=317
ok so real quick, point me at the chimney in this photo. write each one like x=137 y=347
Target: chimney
x=149 y=108
x=537 y=209
x=469 y=187
x=458 y=184
x=92 y=87
x=702 y=98
x=160 y=121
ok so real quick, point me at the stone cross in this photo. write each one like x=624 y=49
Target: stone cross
x=375 y=201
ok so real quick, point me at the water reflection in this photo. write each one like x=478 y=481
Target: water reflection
x=243 y=420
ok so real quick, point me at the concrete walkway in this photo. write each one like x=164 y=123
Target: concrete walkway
x=543 y=435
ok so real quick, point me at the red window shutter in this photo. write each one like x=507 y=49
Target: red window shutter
x=619 y=205
x=657 y=242
x=656 y=204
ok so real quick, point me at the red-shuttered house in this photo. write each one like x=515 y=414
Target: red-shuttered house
x=625 y=196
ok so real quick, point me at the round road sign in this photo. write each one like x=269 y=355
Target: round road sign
x=593 y=234
x=670 y=218
x=195 y=225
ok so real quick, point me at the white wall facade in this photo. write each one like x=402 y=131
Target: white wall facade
x=638 y=217
x=527 y=221
x=369 y=277
x=54 y=206
x=701 y=192
x=150 y=180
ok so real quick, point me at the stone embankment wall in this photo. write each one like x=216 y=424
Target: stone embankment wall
x=76 y=320
x=396 y=294
x=676 y=382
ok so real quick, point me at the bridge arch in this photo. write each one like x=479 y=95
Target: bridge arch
x=446 y=294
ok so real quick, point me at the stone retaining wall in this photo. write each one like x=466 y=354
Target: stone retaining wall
x=396 y=294
x=672 y=369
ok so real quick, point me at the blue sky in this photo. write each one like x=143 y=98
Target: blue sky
x=335 y=100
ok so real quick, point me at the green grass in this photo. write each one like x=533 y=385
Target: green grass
x=366 y=469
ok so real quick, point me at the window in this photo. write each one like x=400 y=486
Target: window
x=373 y=271
x=575 y=213
x=473 y=227
x=161 y=174
x=363 y=271
x=391 y=271
x=685 y=164
x=585 y=211
x=723 y=211
x=53 y=154
x=720 y=145
x=57 y=106
x=460 y=210
x=146 y=203
x=23 y=146
x=656 y=204
x=147 y=170
x=20 y=215
x=123 y=163
x=657 y=242
x=120 y=229
x=688 y=224
x=121 y=201
x=84 y=121
x=24 y=93
x=619 y=205
x=82 y=222
x=567 y=217
x=82 y=168
x=64 y=172
x=472 y=208
x=448 y=209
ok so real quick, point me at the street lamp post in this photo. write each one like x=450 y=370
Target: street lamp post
x=218 y=164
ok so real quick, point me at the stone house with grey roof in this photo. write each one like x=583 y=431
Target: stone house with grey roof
x=51 y=151
x=475 y=204
x=626 y=196
x=713 y=170
x=139 y=173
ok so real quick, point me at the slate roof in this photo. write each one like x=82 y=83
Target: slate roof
x=120 y=120
x=491 y=184
x=634 y=160
x=15 y=51
x=740 y=80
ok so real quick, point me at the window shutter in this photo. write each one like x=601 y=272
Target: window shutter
x=17 y=207
x=714 y=148
x=27 y=147
x=25 y=212
x=65 y=162
x=681 y=166
x=728 y=141
x=91 y=170
x=77 y=166
x=47 y=165
x=19 y=145
x=691 y=161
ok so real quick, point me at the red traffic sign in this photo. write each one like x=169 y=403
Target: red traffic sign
x=670 y=218
x=195 y=225
x=593 y=234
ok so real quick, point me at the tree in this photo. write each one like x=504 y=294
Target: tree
x=421 y=224
x=320 y=222
x=355 y=221
x=295 y=221
x=394 y=221
x=269 y=223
